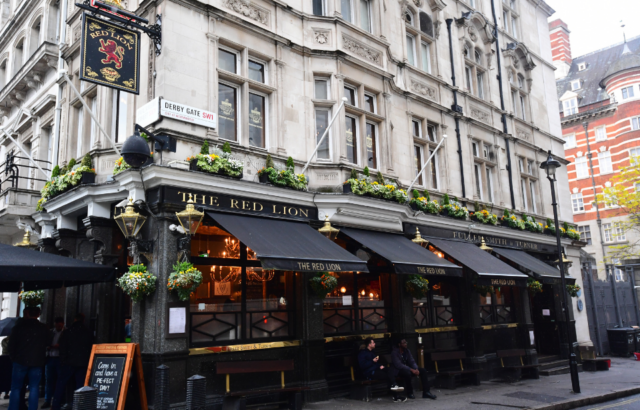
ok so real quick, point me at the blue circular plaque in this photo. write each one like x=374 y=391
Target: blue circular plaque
x=580 y=293
x=580 y=305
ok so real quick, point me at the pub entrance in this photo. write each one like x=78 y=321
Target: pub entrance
x=546 y=328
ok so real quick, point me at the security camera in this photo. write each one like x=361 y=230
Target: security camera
x=177 y=228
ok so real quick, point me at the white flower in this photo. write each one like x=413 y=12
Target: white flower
x=235 y=163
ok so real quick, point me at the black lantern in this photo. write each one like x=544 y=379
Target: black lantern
x=130 y=221
x=135 y=151
x=327 y=230
x=550 y=166
x=190 y=218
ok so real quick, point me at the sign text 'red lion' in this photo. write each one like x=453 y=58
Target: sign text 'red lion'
x=110 y=55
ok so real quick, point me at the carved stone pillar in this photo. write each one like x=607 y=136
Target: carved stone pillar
x=66 y=240
x=212 y=51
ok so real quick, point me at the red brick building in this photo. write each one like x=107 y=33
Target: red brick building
x=599 y=100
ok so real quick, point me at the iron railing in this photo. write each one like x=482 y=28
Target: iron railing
x=19 y=172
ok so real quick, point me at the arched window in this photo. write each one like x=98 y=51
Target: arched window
x=478 y=56
x=3 y=77
x=408 y=17
x=53 y=18
x=34 y=38
x=426 y=24
x=18 y=56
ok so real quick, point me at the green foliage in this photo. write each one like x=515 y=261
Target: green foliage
x=417 y=286
x=573 y=290
x=269 y=163
x=64 y=170
x=86 y=161
x=446 y=200
x=476 y=206
x=366 y=172
x=453 y=208
x=55 y=172
x=322 y=284
x=534 y=286
x=71 y=164
x=184 y=280
x=427 y=196
x=380 y=178
x=205 y=148
x=290 y=163
x=427 y=206
x=486 y=217
x=216 y=164
x=505 y=214
x=565 y=226
x=354 y=174
x=415 y=193
x=286 y=178
x=145 y=136
x=226 y=147
x=137 y=283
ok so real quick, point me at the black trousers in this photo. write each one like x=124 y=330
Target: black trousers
x=406 y=376
x=384 y=375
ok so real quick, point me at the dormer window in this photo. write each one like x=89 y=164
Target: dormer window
x=582 y=66
x=570 y=107
x=575 y=85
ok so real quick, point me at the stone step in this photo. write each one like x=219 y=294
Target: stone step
x=554 y=364
x=559 y=370
x=547 y=359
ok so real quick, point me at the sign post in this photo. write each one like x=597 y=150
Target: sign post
x=109 y=372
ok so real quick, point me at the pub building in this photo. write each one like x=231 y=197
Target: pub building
x=258 y=246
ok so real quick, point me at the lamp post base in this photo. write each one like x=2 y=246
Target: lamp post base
x=575 y=381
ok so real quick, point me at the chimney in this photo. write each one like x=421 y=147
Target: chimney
x=560 y=47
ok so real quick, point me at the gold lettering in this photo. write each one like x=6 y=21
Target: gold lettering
x=184 y=196
x=274 y=210
x=234 y=203
x=293 y=209
x=214 y=200
x=195 y=198
x=254 y=206
x=245 y=205
x=304 y=212
x=284 y=209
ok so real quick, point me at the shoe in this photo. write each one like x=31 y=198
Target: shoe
x=395 y=387
x=429 y=395
x=46 y=405
x=399 y=399
x=411 y=396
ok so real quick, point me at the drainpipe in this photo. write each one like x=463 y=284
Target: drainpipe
x=504 y=115
x=457 y=110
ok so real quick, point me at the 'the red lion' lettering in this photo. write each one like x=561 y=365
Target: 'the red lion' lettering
x=113 y=51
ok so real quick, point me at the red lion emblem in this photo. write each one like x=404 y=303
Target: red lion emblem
x=113 y=51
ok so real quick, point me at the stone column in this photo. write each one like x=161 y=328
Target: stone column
x=212 y=49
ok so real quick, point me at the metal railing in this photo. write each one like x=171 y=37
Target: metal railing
x=15 y=169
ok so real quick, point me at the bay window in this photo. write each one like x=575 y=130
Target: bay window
x=440 y=307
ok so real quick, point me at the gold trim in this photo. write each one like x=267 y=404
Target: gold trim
x=356 y=337
x=242 y=348
x=491 y=327
x=438 y=329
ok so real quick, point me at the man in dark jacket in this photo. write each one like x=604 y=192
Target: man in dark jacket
x=75 y=350
x=372 y=370
x=404 y=365
x=27 y=348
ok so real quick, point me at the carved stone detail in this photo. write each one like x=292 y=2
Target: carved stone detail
x=247 y=9
x=321 y=36
x=100 y=232
x=472 y=34
x=522 y=134
x=361 y=50
x=66 y=242
x=424 y=89
x=479 y=114
x=418 y=3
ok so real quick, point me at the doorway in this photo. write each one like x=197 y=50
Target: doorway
x=546 y=329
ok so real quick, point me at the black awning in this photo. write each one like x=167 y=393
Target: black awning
x=491 y=270
x=285 y=245
x=406 y=256
x=39 y=270
x=540 y=270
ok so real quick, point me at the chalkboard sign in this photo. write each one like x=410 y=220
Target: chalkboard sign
x=110 y=372
x=106 y=377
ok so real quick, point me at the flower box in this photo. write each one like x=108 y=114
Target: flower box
x=346 y=188
x=193 y=165
x=88 y=178
x=263 y=178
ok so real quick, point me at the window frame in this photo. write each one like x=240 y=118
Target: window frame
x=570 y=137
x=375 y=146
x=266 y=118
x=356 y=138
x=577 y=203
x=411 y=51
x=323 y=7
x=635 y=123
x=581 y=161
x=604 y=157
x=570 y=106
x=369 y=17
x=238 y=110
x=585 y=233
x=327 y=83
x=375 y=102
x=230 y=51
x=351 y=13
x=354 y=89
x=628 y=91
x=265 y=70
x=329 y=136
x=602 y=136
x=574 y=83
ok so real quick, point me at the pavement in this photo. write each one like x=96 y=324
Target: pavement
x=616 y=389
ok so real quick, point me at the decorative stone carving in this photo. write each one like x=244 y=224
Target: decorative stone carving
x=479 y=114
x=247 y=9
x=418 y=3
x=472 y=33
x=361 y=50
x=65 y=241
x=424 y=89
x=436 y=26
x=522 y=134
x=100 y=231
x=321 y=36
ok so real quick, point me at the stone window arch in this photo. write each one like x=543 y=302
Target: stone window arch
x=426 y=24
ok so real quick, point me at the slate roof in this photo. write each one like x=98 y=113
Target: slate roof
x=598 y=64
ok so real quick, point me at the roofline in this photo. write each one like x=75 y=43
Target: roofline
x=608 y=47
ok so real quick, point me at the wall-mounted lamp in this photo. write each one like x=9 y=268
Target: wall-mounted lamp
x=485 y=247
x=190 y=220
x=420 y=240
x=327 y=230
x=130 y=222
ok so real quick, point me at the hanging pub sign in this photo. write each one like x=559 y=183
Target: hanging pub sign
x=110 y=55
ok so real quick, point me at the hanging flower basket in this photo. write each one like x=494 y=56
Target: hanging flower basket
x=573 y=290
x=417 y=286
x=137 y=283
x=322 y=284
x=184 y=280
x=534 y=286
x=32 y=298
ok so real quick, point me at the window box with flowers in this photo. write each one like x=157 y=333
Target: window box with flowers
x=65 y=178
x=531 y=225
x=219 y=162
x=570 y=232
x=452 y=208
x=484 y=217
x=417 y=286
x=284 y=178
x=377 y=189
x=512 y=221
x=550 y=228
x=424 y=203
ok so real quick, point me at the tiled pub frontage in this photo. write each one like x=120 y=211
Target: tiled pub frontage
x=258 y=247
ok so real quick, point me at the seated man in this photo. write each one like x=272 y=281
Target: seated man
x=372 y=370
x=404 y=366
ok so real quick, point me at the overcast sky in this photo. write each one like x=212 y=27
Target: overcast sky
x=595 y=24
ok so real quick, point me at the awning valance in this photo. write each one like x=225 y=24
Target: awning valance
x=286 y=245
x=491 y=270
x=39 y=270
x=405 y=256
x=539 y=269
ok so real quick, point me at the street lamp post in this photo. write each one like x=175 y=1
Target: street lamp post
x=550 y=166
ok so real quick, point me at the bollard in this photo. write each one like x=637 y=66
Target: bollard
x=161 y=401
x=85 y=398
x=196 y=386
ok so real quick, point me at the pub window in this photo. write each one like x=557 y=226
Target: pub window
x=370 y=103
x=350 y=94
x=351 y=138
x=228 y=60
x=371 y=141
x=321 y=89
x=257 y=120
x=257 y=71
x=497 y=307
x=238 y=301
x=440 y=307
x=356 y=305
x=227 y=112
x=322 y=122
